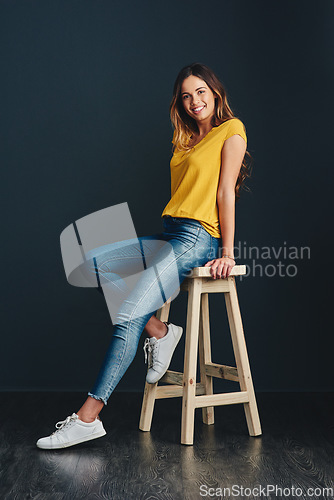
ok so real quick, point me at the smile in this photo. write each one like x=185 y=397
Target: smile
x=198 y=110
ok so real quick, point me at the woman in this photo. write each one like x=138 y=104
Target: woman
x=207 y=172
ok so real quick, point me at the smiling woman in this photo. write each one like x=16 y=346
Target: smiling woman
x=200 y=103
x=208 y=166
x=207 y=170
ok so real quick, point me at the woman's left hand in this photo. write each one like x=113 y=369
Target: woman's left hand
x=221 y=268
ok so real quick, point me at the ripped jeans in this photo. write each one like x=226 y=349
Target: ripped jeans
x=192 y=247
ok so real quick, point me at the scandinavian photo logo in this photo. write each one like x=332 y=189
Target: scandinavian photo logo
x=269 y=261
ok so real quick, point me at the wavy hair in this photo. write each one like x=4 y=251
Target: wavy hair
x=185 y=126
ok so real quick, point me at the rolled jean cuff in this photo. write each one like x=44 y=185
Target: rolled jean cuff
x=96 y=397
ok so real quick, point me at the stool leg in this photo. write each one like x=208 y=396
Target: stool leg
x=204 y=346
x=190 y=362
x=150 y=389
x=241 y=357
x=147 y=407
x=163 y=312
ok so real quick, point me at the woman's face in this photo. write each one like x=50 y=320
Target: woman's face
x=198 y=99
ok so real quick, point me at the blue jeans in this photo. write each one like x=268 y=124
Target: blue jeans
x=192 y=247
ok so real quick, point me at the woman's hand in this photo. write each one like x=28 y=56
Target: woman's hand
x=221 y=268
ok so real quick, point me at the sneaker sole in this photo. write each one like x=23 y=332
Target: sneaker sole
x=72 y=443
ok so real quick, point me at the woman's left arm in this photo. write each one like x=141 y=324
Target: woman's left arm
x=233 y=153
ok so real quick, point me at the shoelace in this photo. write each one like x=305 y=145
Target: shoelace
x=61 y=424
x=150 y=352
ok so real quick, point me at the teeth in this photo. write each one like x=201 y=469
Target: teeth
x=198 y=109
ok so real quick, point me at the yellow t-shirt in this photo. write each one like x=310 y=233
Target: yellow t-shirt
x=195 y=177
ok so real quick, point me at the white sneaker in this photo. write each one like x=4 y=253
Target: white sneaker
x=160 y=351
x=71 y=431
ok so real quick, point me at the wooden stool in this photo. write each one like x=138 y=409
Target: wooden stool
x=200 y=395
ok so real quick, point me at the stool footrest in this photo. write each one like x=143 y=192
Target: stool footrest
x=171 y=377
x=222 y=371
x=175 y=391
x=228 y=398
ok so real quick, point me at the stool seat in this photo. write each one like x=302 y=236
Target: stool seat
x=198 y=284
x=204 y=272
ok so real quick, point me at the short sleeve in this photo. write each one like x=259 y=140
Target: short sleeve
x=236 y=127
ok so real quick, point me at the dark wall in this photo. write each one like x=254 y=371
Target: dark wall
x=85 y=92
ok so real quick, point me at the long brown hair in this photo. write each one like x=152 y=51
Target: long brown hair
x=185 y=126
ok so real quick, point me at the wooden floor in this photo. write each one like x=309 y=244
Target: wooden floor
x=296 y=449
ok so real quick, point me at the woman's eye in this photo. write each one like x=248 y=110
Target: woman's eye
x=201 y=91
x=185 y=96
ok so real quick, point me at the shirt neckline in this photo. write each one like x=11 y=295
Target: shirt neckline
x=213 y=128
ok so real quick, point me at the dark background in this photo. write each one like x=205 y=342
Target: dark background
x=85 y=90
